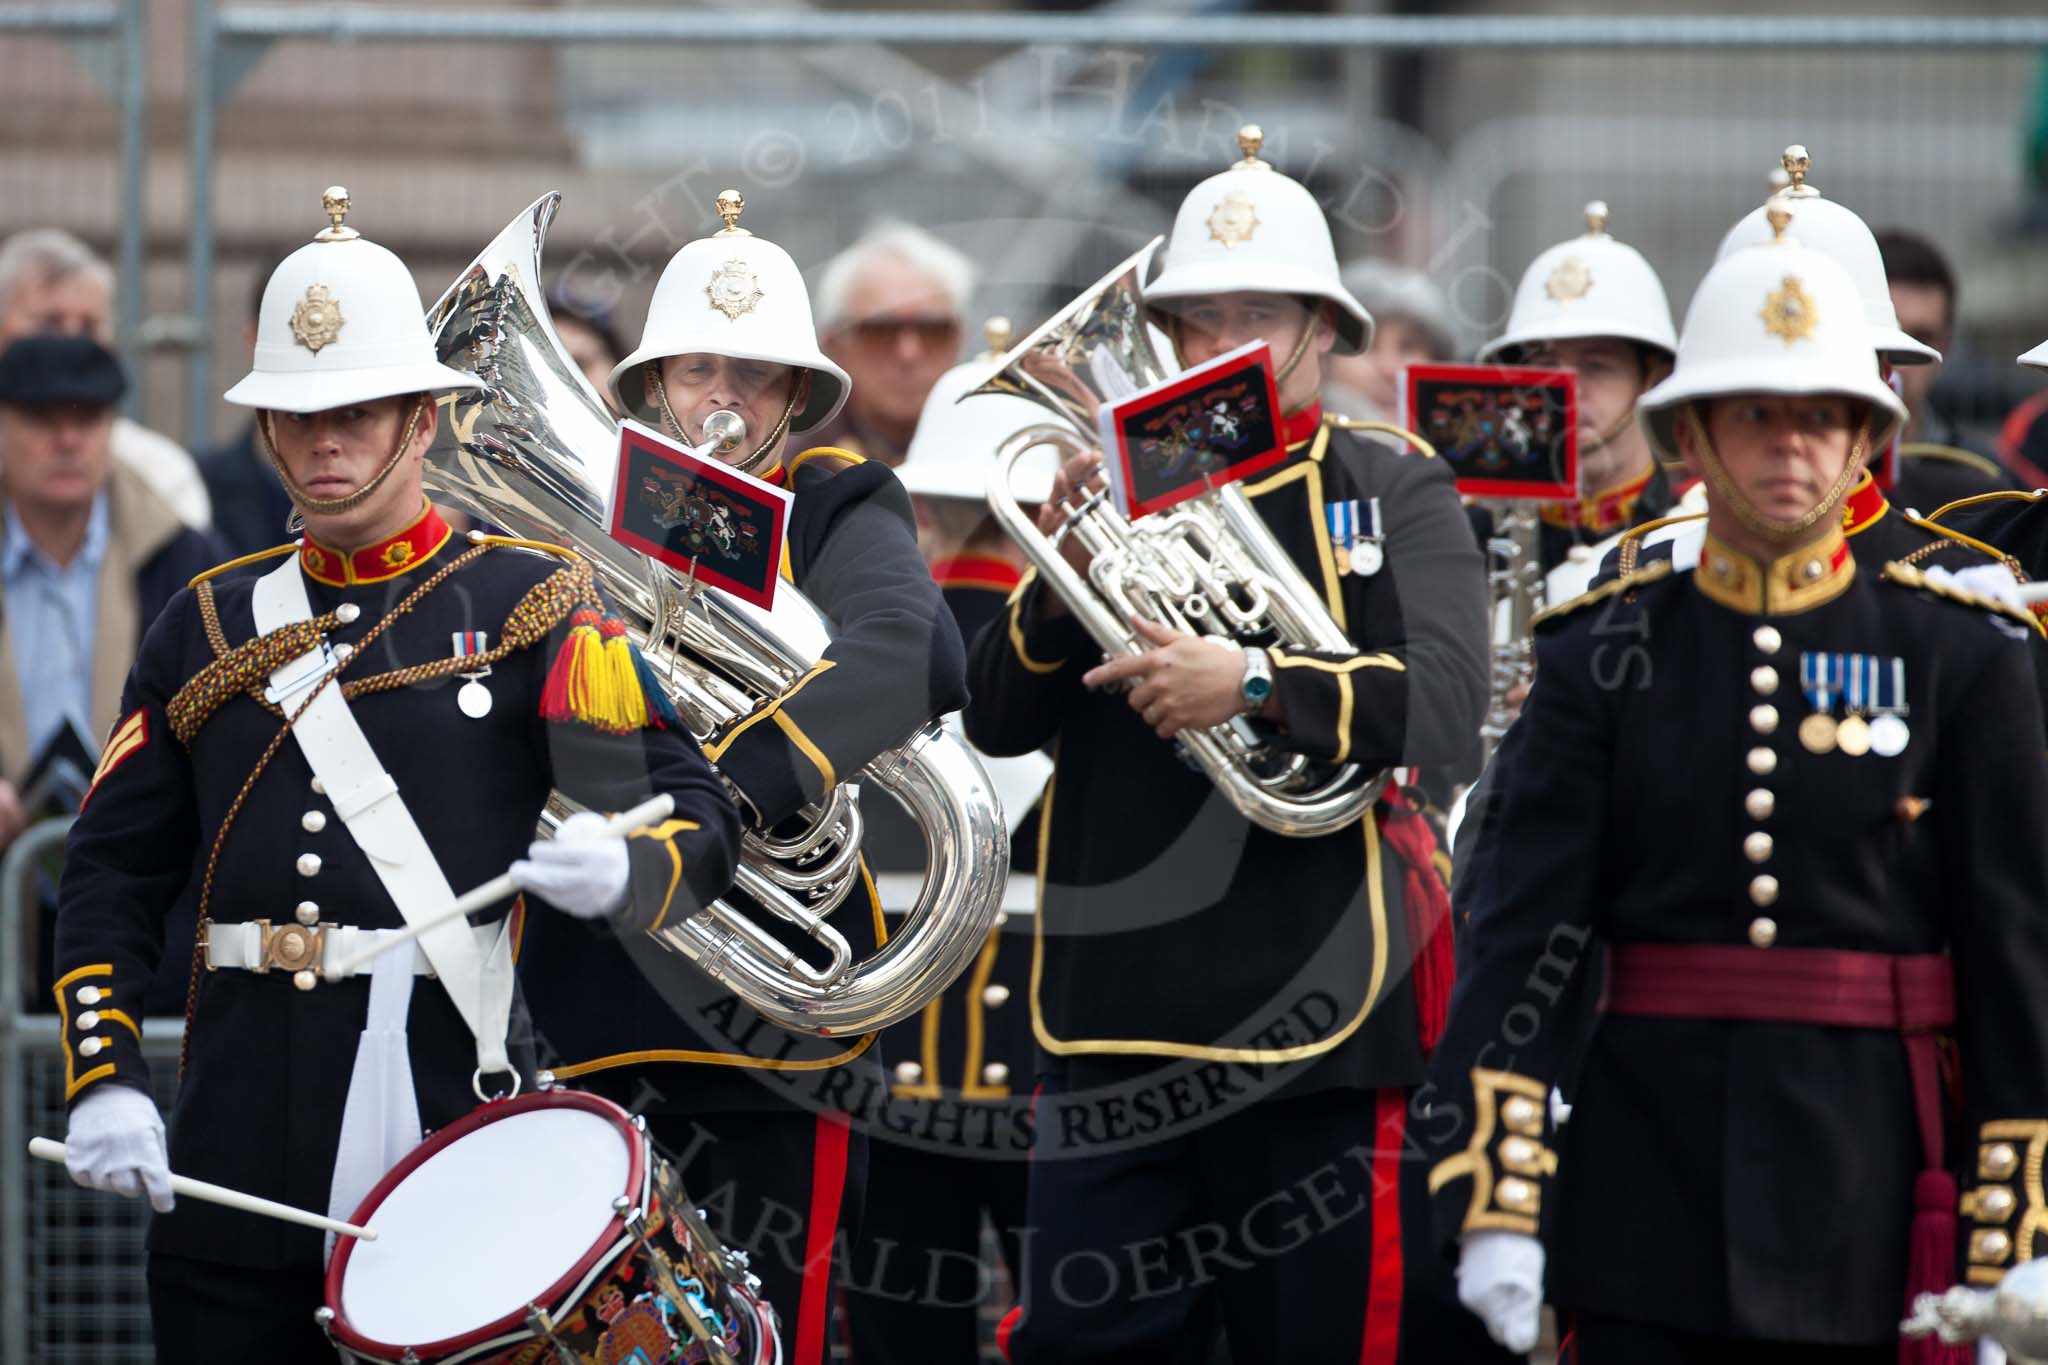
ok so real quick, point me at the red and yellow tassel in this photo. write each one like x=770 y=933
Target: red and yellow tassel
x=598 y=679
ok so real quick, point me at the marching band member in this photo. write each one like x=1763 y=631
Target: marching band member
x=1231 y=1020
x=958 y=1070
x=756 y=1117
x=283 y=723
x=1757 y=1163
x=2016 y=522
x=1594 y=306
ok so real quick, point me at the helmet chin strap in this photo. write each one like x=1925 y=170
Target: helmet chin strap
x=1769 y=527
x=1294 y=358
x=751 y=462
x=304 y=502
x=1614 y=432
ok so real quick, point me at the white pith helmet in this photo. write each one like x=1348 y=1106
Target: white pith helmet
x=738 y=295
x=1833 y=230
x=341 y=322
x=953 y=448
x=2037 y=358
x=1252 y=229
x=1590 y=286
x=1780 y=318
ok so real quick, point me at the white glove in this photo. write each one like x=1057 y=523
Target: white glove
x=1994 y=581
x=116 y=1143
x=582 y=871
x=1500 y=1278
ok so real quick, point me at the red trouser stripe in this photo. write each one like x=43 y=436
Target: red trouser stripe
x=1382 y=1336
x=828 y=1186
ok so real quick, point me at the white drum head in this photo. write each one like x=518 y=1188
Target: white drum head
x=485 y=1226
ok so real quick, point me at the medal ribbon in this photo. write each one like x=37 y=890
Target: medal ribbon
x=1820 y=678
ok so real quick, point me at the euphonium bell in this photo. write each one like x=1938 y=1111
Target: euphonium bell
x=536 y=451
x=1207 y=566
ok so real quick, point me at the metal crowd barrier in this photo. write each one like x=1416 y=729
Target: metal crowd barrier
x=71 y=1286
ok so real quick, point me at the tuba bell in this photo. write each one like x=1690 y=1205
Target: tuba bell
x=1207 y=566
x=536 y=451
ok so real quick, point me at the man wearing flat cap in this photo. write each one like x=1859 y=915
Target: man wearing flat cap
x=89 y=552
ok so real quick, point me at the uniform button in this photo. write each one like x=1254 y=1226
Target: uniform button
x=1763 y=931
x=304 y=979
x=1763 y=762
x=347 y=612
x=313 y=821
x=319 y=787
x=1763 y=719
x=1763 y=890
x=908 y=1073
x=1760 y=803
x=88 y=995
x=1813 y=570
x=996 y=996
x=1516 y=1194
x=1520 y=1114
x=1519 y=1151
x=1767 y=639
x=995 y=1073
x=90 y=1047
x=1994 y=1205
x=343 y=651
x=1998 y=1162
x=89 y=1020
x=1990 y=1246
x=1764 y=679
x=1757 y=847
x=307 y=913
x=309 y=864
x=1002 y=918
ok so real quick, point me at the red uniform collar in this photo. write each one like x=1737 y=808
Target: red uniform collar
x=387 y=559
x=1296 y=428
x=1864 y=505
x=1601 y=512
x=976 y=571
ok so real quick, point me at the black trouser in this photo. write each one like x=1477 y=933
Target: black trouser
x=917 y=1289
x=779 y=1185
x=1281 y=1222
x=207 y=1313
x=1597 y=1340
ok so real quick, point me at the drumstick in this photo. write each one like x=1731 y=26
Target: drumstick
x=45 y=1149
x=650 y=812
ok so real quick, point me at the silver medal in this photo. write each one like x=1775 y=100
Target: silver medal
x=1888 y=736
x=474 y=699
x=1366 y=557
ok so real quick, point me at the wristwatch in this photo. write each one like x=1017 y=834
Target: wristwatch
x=1258 y=680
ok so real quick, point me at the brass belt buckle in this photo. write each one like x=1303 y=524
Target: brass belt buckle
x=295 y=948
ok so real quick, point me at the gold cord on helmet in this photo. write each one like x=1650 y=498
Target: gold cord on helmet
x=756 y=458
x=326 y=507
x=1757 y=522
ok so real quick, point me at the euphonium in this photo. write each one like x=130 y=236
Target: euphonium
x=536 y=451
x=1207 y=566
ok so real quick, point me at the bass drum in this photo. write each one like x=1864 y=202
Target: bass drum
x=541 y=1229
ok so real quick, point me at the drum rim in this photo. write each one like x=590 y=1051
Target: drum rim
x=606 y=1247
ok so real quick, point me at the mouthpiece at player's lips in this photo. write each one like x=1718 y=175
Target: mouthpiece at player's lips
x=727 y=428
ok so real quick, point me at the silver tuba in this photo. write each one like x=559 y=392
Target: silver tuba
x=536 y=452
x=1207 y=566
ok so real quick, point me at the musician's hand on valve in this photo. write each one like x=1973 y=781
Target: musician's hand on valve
x=1077 y=473
x=1182 y=682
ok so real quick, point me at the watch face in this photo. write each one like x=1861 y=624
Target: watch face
x=1258 y=689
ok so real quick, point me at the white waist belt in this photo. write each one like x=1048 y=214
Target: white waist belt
x=240 y=947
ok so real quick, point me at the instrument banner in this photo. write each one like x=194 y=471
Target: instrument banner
x=705 y=520
x=1506 y=431
x=1205 y=427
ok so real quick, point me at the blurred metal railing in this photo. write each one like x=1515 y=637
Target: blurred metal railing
x=71 y=1282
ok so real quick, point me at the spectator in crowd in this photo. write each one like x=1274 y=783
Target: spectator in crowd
x=89 y=552
x=250 y=508
x=1411 y=326
x=889 y=312
x=52 y=282
x=1936 y=466
x=587 y=329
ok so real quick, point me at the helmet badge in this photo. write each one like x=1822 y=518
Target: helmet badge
x=1572 y=279
x=733 y=290
x=1234 y=219
x=317 y=321
x=1789 y=313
